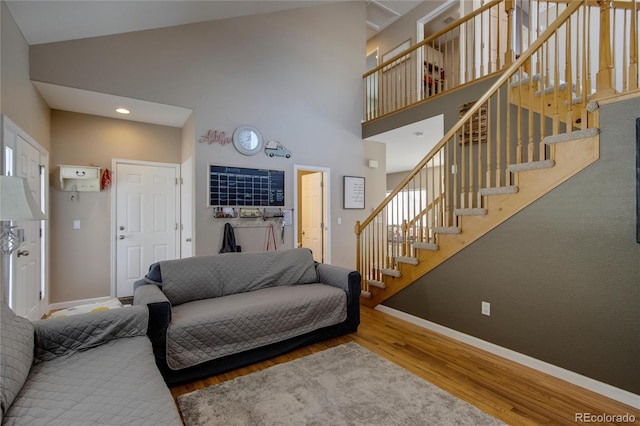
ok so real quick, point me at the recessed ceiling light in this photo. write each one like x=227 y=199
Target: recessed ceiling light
x=123 y=111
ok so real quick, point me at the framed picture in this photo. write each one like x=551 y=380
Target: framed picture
x=353 y=192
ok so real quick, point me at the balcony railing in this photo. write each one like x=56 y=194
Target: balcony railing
x=489 y=39
x=547 y=91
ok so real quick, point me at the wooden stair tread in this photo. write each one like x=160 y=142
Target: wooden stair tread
x=425 y=246
x=391 y=272
x=446 y=230
x=572 y=157
x=377 y=284
x=407 y=259
x=499 y=190
x=470 y=212
x=566 y=137
x=533 y=165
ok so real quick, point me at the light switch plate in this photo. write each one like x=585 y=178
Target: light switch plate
x=76 y=224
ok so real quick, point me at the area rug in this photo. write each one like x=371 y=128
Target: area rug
x=344 y=385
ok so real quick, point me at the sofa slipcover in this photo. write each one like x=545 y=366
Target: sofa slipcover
x=211 y=314
x=95 y=368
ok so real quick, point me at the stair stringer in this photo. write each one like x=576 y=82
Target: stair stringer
x=570 y=158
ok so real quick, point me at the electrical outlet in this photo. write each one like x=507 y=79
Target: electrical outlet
x=486 y=309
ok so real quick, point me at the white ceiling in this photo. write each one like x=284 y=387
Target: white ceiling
x=87 y=102
x=407 y=145
x=47 y=21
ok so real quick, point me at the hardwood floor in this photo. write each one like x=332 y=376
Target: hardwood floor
x=515 y=394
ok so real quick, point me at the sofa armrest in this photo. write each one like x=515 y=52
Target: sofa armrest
x=148 y=293
x=61 y=336
x=159 y=315
x=344 y=278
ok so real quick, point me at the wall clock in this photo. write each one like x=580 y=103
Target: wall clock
x=247 y=140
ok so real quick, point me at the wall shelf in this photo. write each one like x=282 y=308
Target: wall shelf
x=77 y=178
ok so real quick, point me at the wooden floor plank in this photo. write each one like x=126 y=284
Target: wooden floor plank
x=513 y=393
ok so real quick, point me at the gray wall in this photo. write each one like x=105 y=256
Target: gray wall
x=562 y=276
x=21 y=102
x=295 y=75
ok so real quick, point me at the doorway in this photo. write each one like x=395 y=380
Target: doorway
x=24 y=272
x=312 y=207
x=145 y=216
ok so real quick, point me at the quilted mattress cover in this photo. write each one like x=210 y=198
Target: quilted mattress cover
x=115 y=384
x=204 y=330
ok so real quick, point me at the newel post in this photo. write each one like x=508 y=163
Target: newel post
x=604 y=77
x=633 y=48
x=509 y=54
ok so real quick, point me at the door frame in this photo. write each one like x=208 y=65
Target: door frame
x=114 y=190
x=6 y=262
x=297 y=205
x=187 y=195
x=420 y=23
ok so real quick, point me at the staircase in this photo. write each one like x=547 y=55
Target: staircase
x=525 y=136
x=531 y=181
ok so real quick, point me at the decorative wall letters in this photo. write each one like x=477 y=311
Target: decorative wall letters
x=215 y=136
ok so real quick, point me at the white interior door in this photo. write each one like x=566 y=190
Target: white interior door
x=27 y=264
x=186 y=209
x=312 y=212
x=147 y=211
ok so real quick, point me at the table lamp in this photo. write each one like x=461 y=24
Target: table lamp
x=16 y=203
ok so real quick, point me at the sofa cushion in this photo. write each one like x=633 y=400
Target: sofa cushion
x=117 y=383
x=204 y=330
x=16 y=355
x=61 y=336
x=205 y=277
x=244 y=272
x=192 y=278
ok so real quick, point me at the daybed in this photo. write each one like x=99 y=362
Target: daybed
x=212 y=314
x=93 y=368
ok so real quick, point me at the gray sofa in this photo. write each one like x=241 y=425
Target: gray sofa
x=94 y=368
x=212 y=314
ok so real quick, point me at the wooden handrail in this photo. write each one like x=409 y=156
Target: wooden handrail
x=433 y=66
x=435 y=36
x=426 y=210
x=571 y=8
x=545 y=92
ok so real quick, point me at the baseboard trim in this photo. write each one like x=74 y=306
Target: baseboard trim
x=588 y=383
x=65 y=305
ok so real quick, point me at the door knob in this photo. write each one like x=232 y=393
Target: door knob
x=23 y=253
x=188 y=240
x=121 y=228
x=121 y=237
